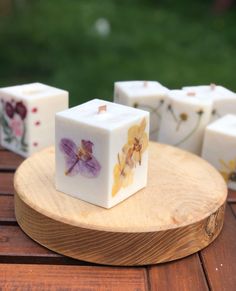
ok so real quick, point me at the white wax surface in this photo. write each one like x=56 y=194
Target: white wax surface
x=225 y=125
x=135 y=89
x=216 y=92
x=219 y=147
x=116 y=115
x=32 y=91
x=224 y=100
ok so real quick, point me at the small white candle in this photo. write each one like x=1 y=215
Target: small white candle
x=101 y=151
x=184 y=120
x=28 y=116
x=224 y=100
x=146 y=95
x=219 y=147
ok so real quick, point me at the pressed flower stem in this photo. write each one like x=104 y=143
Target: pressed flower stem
x=72 y=167
x=178 y=125
x=152 y=111
x=216 y=114
x=23 y=137
x=191 y=132
x=173 y=114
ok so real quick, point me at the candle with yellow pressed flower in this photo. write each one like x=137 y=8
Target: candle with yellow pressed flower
x=145 y=95
x=224 y=100
x=184 y=120
x=101 y=151
x=219 y=147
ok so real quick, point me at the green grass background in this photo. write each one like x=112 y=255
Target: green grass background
x=175 y=42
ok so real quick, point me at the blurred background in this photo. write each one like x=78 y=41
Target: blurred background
x=84 y=46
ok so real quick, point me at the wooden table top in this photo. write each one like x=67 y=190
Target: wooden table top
x=26 y=265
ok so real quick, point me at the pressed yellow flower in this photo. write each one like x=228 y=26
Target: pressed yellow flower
x=123 y=175
x=228 y=170
x=183 y=116
x=138 y=140
x=123 y=172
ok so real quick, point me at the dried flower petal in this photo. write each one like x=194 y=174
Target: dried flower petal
x=9 y=110
x=21 y=110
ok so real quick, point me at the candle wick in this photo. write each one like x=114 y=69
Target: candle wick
x=213 y=86
x=191 y=94
x=145 y=83
x=102 y=109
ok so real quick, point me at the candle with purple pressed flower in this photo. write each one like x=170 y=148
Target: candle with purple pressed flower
x=101 y=152
x=224 y=100
x=145 y=95
x=184 y=120
x=27 y=116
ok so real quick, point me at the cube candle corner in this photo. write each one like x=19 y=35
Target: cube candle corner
x=101 y=152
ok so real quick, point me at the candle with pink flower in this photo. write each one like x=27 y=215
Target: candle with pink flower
x=27 y=116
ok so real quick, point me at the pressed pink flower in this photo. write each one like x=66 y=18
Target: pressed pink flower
x=17 y=126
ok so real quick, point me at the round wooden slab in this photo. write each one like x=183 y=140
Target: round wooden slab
x=179 y=212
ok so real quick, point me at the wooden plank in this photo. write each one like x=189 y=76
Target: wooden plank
x=7 y=209
x=43 y=277
x=219 y=258
x=233 y=206
x=231 y=196
x=14 y=242
x=16 y=247
x=6 y=183
x=184 y=274
x=9 y=160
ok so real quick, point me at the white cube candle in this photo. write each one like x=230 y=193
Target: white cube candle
x=146 y=95
x=219 y=147
x=28 y=116
x=224 y=100
x=101 y=152
x=184 y=120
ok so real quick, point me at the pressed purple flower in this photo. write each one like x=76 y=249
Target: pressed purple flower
x=87 y=145
x=79 y=160
x=21 y=109
x=9 y=109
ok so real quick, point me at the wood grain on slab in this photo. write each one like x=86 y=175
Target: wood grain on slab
x=219 y=257
x=178 y=213
x=9 y=161
x=43 y=277
x=6 y=183
x=185 y=274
